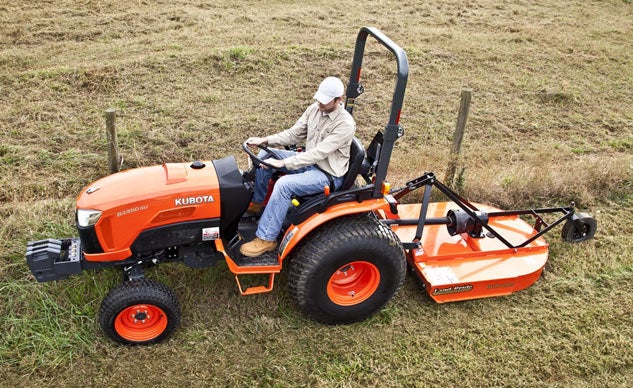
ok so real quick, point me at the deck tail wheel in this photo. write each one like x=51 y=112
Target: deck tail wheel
x=347 y=270
x=581 y=227
x=139 y=312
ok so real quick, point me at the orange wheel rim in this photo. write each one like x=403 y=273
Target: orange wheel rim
x=353 y=283
x=140 y=322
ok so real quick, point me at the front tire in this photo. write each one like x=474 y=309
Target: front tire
x=347 y=270
x=139 y=312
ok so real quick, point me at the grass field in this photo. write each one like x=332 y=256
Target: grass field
x=551 y=122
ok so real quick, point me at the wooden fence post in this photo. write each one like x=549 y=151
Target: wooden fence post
x=113 y=147
x=458 y=136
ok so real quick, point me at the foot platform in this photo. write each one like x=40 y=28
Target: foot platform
x=268 y=259
x=266 y=264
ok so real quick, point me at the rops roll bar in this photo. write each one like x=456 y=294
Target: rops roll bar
x=393 y=130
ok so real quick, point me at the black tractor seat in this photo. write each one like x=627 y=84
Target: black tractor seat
x=358 y=164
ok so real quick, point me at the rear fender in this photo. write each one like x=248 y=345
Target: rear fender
x=296 y=233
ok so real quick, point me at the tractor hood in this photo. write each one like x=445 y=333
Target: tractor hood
x=113 y=211
x=172 y=185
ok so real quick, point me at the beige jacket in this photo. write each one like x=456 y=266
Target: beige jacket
x=327 y=140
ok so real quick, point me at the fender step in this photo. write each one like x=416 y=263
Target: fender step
x=252 y=290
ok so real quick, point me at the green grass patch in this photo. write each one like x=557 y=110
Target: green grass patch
x=44 y=331
x=622 y=145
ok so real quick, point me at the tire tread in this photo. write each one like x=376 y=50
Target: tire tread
x=327 y=238
x=137 y=292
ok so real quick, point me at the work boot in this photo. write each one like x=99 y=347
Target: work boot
x=257 y=247
x=255 y=208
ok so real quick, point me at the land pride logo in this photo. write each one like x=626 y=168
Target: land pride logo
x=194 y=200
x=452 y=289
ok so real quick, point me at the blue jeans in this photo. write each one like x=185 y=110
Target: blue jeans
x=304 y=181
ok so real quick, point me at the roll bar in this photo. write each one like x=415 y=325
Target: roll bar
x=393 y=130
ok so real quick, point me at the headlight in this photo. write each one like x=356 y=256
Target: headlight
x=87 y=218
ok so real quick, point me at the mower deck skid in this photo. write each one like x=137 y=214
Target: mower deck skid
x=463 y=267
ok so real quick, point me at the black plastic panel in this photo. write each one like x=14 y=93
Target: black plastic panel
x=89 y=240
x=178 y=234
x=234 y=195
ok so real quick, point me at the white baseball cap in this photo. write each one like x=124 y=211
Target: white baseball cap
x=329 y=89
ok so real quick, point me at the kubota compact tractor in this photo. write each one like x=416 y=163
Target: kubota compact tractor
x=347 y=250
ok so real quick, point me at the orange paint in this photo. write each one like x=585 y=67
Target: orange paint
x=295 y=234
x=353 y=283
x=143 y=198
x=140 y=323
x=461 y=267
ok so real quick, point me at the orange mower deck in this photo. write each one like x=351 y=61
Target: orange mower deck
x=461 y=267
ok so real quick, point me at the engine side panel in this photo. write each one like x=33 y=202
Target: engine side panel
x=181 y=233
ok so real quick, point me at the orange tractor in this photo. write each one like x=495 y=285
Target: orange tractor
x=347 y=250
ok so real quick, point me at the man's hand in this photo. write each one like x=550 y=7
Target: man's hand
x=275 y=163
x=255 y=141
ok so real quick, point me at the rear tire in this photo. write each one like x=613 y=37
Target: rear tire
x=347 y=270
x=581 y=228
x=139 y=312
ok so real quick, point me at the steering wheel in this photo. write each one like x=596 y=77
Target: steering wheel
x=256 y=160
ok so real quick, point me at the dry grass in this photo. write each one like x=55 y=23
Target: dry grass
x=551 y=122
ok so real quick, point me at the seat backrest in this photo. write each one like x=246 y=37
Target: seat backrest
x=356 y=158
